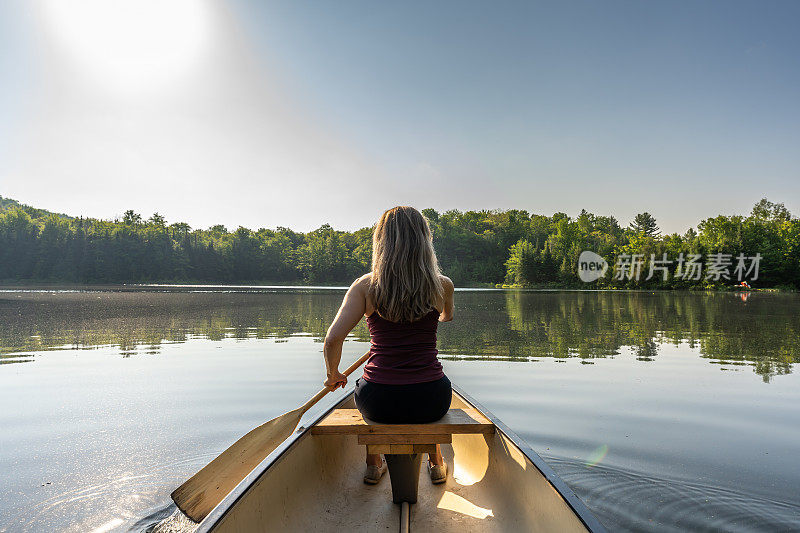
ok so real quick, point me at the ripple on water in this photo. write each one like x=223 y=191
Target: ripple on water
x=629 y=501
x=124 y=503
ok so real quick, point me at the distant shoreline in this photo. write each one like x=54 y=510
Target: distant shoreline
x=10 y=285
x=476 y=249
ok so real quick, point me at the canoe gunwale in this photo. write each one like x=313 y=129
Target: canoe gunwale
x=578 y=507
x=576 y=504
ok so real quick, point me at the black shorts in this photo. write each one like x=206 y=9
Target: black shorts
x=417 y=403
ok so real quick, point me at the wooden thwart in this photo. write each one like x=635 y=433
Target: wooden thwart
x=403 y=444
x=456 y=421
x=378 y=438
x=401 y=448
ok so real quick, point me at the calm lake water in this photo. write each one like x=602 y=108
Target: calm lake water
x=663 y=411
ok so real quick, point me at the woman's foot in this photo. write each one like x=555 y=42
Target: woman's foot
x=438 y=473
x=374 y=473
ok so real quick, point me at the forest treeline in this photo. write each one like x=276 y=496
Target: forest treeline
x=474 y=248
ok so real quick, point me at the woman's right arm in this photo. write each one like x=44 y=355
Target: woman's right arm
x=448 y=307
x=349 y=315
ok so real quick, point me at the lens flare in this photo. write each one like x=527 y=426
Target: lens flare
x=597 y=455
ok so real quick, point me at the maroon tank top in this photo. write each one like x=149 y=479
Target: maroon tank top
x=403 y=353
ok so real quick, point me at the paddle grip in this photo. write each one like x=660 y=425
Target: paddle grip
x=321 y=394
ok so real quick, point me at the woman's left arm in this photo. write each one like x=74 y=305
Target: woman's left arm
x=448 y=308
x=349 y=315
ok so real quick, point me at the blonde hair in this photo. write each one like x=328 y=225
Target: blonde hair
x=405 y=281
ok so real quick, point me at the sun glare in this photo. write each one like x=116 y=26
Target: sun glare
x=458 y=504
x=130 y=46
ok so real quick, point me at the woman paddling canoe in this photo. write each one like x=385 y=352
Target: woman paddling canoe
x=403 y=298
x=307 y=474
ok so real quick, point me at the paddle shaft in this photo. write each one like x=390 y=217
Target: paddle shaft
x=321 y=394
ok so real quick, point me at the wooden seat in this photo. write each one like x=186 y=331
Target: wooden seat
x=402 y=444
x=403 y=438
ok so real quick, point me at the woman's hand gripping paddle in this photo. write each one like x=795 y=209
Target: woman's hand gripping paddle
x=203 y=491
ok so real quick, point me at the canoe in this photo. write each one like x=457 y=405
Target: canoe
x=312 y=482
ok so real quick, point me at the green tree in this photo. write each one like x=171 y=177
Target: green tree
x=645 y=223
x=157 y=220
x=131 y=218
x=765 y=210
x=521 y=263
x=474 y=247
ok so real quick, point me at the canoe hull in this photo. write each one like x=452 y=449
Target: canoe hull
x=313 y=482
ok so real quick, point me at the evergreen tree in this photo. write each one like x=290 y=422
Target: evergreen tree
x=645 y=224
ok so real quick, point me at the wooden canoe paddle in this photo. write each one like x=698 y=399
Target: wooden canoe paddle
x=203 y=491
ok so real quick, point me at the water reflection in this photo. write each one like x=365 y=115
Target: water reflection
x=653 y=436
x=729 y=329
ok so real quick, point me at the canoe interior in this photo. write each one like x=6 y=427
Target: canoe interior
x=317 y=485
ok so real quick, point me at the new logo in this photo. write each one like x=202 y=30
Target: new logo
x=591 y=266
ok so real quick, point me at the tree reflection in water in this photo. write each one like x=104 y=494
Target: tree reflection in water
x=758 y=331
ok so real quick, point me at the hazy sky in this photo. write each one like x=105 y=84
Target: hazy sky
x=295 y=114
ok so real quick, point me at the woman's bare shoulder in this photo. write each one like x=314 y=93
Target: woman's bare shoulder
x=447 y=283
x=362 y=283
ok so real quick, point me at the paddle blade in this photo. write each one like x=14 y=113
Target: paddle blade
x=203 y=491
